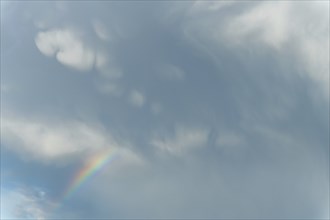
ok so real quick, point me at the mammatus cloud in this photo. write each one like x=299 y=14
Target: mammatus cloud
x=264 y=152
x=183 y=140
x=67 y=47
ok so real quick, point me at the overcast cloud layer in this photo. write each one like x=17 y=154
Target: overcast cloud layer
x=215 y=109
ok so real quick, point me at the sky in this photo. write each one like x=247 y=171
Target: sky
x=168 y=109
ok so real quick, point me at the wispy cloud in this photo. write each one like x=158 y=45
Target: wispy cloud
x=25 y=203
x=230 y=141
x=201 y=6
x=101 y=30
x=109 y=88
x=171 y=72
x=267 y=22
x=183 y=140
x=107 y=66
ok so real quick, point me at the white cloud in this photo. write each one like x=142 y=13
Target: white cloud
x=267 y=22
x=296 y=29
x=183 y=140
x=312 y=38
x=48 y=141
x=304 y=26
x=136 y=98
x=68 y=48
x=59 y=142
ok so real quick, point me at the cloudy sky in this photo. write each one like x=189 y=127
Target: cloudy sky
x=170 y=109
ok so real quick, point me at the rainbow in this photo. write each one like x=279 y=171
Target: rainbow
x=92 y=166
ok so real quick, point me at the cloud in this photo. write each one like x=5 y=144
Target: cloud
x=296 y=31
x=249 y=142
x=156 y=108
x=25 y=203
x=49 y=141
x=231 y=144
x=101 y=30
x=183 y=140
x=277 y=24
x=229 y=139
x=110 y=89
x=5 y=88
x=67 y=46
x=267 y=22
x=201 y=5
x=171 y=72
x=136 y=98
x=218 y=185
x=59 y=142
x=106 y=65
